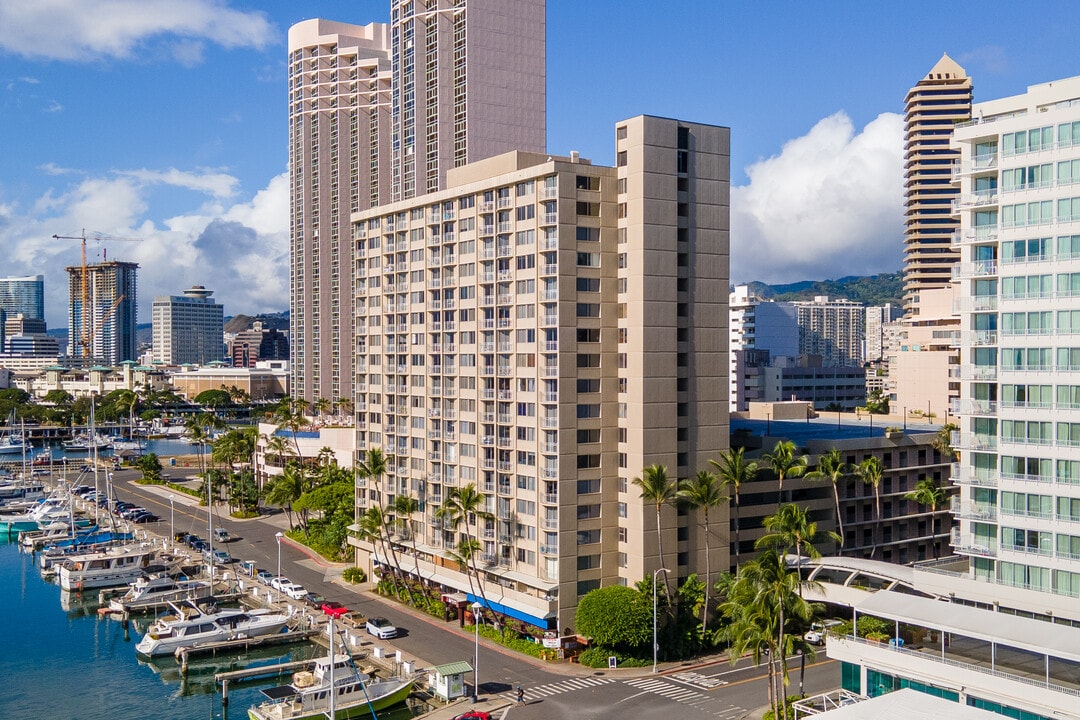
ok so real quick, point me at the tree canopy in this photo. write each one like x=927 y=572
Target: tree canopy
x=616 y=617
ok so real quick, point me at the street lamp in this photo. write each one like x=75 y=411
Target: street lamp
x=279 y=535
x=655 y=645
x=476 y=608
x=172 y=520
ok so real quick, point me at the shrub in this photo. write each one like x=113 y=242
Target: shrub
x=354 y=575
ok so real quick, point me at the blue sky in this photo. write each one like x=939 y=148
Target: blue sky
x=165 y=120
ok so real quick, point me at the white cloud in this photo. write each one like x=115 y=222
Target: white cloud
x=78 y=30
x=238 y=249
x=219 y=185
x=829 y=205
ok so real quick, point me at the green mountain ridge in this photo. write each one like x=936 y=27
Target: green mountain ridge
x=870 y=290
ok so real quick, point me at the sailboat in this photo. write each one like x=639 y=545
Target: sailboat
x=12 y=442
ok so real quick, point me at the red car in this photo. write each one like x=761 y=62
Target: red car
x=474 y=715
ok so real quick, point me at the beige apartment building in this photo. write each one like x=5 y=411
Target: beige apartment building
x=924 y=370
x=931 y=109
x=544 y=328
x=381 y=113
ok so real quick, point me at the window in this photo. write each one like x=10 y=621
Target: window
x=588 y=487
x=588 y=310
x=526 y=212
x=585 y=587
x=585 y=259
x=588 y=335
x=588 y=537
x=620 y=160
x=587 y=234
x=588 y=284
x=588 y=209
x=588 y=436
x=586 y=462
x=588 y=411
x=588 y=562
x=588 y=385
x=585 y=360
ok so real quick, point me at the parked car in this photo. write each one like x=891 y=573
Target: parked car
x=264 y=576
x=296 y=592
x=473 y=715
x=221 y=557
x=278 y=581
x=817 y=632
x=147 y=517
x=381 y=628
x=222 y=535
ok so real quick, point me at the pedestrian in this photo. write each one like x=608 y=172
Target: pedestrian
x=520 y=695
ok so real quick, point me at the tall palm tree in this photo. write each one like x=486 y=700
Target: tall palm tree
x=790 y=528
x=766 y=596
x=343 y=405
x=374 y=465
x=703 y=492
x=734 y=471
x=286 y=488
x=459 y=505
x=290 y=416
x=660 y=490
x=832 y=467
x=785 y=463
x=928 y=493
x=277 y=446
x=871 y=471
x=404 y=507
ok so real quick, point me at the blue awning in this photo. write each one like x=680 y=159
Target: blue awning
x=511 y=612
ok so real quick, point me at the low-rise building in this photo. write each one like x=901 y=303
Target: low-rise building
x=267 y=381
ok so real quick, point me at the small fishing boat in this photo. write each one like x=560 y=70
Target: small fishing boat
x=308 y=696
x=192 y=625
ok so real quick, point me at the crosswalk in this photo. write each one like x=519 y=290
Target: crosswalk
x=556 y=688
x=679 y=693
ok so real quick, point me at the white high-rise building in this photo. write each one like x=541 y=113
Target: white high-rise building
x=1019 y=406
x=758 y=328
x=188 y=328
x=833 y=329
x=380 y=113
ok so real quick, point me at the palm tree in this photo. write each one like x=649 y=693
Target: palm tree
x=790 y=527
x=660 y=490
x=343 y=405
x=703 y=492
x=942 y=441
x=404 y=507
x=286 y=488
x=785 y=463
x=375 y=465
x=871 y=471
x=832 y=467
x=928 y=493
x=277 y=446
x=733 y=472
x=290 y=416
x=459 y=505
x=762 y=600
x=321 y=406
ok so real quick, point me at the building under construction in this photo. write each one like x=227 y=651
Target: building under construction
x=101 y=315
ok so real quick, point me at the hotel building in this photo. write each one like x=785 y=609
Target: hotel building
x=544 y=328
x=187 y=329
x=931 y=110
x=380 y=113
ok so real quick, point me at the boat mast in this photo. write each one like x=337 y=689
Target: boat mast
x=94 y=460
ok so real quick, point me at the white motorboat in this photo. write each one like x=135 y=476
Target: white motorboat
x=87 y=441
x=192 y=626
x=157 y=590
x=307 y=697
x=106 y=568
x=21 y=491
x=42 y=513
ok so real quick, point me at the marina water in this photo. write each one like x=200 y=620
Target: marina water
x=64 y=661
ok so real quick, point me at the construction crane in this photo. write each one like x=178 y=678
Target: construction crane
x=86 y=333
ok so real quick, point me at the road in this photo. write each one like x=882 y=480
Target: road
x=716 y=690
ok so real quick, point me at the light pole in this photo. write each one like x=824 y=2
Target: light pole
x=279 y=535
x=172 y=520
x=476 y=607
x=655 y=645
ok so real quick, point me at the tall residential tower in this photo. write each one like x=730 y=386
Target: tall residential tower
x=545 y=328
x=380 y=113
x=102 y=312
x=931 y=110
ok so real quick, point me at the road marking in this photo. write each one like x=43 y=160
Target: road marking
x=697 y=680
x=683 y=695
x=563 y=686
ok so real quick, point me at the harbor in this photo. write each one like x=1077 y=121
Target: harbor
x=63 y=635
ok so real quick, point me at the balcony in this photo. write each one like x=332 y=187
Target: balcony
x=549 y=549
x=978 y=478
x=973 y=407
x=978 y=372
x=983 y=303
x=550 y=498
x=985 y=268
x=974 y=441
x=972 y=510
x=979 y=338
x=968 y=544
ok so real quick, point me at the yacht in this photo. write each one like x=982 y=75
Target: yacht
x=12 y=442
x=87 y=441
x=308 y=698
x=157 y=589
x=21 y=491
x=191 y=625
x=40 y=514
x=106 y=568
